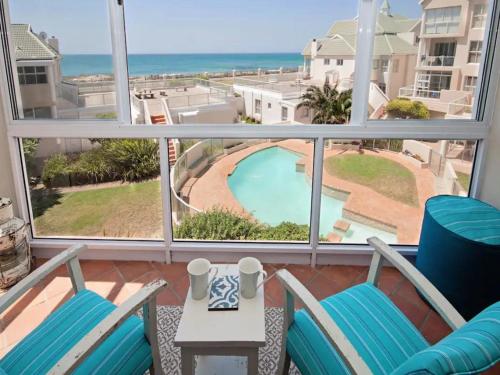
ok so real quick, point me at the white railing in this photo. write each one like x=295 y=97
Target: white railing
x=460 y=106
x=412 y=92
x=68 y=91
x=437 y=60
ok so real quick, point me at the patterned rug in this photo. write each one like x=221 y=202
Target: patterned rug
x=168 y=320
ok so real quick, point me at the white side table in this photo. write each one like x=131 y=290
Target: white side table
x=222 y=333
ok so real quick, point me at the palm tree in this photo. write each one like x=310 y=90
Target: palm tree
x=329 y=105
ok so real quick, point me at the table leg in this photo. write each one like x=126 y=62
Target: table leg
x=187 y=361
x=253 y=362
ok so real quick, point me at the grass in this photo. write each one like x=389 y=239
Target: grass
x=385 y=176
x=464 y=180
x=132 y=210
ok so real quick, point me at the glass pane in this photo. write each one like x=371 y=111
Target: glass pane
x=94 y=188
x=431 y=51
x=241 y=189
x=191 y=62
x=379 y=187
x=68 y=55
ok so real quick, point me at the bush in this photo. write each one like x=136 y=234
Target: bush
x=92 y=166
x=222 y=225
x=407 y=109
x=56 y=171
x=133 y=159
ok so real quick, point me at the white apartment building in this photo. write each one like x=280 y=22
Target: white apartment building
x=449 y=54
x=331 y=58
x=38 y=71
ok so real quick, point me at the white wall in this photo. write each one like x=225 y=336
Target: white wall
x=319 y=69
x=491 y=182
x=6 y=181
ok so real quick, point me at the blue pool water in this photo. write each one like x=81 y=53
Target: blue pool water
x=267 y=185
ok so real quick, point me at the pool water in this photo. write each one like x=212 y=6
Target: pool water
x=268 y=186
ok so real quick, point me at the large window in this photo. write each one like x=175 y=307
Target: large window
x=442 y=20
x=179 y=127
x=479 y=15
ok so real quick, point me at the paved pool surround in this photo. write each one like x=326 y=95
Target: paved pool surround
x=362 y=204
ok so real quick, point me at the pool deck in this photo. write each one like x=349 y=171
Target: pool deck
x=212 y=190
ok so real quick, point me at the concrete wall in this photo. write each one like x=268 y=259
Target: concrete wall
x=6 y=179
x=491 y=182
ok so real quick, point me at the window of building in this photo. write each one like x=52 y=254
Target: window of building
x=475 y=48
x=326 y=61
x=258 y=106
x=269 y=105
x=284 y=113
x=443 y=54
x=37 y=113
x=430 y=84
x=479 y=15
x=442 y=20
x=375 y=64
x=32 y=75
x=470 y=83
x=340 y=62
x=384 y=65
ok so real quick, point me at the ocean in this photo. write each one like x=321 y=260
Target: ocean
x=141 y=65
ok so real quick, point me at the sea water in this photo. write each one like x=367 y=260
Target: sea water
x=150 y=64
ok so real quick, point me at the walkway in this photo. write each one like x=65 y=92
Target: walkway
x=212 y=190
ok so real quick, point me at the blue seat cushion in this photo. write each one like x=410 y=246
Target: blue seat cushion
x=471 y=349
x=126 y=351
x=380 y=333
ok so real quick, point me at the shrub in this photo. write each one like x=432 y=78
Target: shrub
x=106 y=116
x=133 y=159
x=92 y=166
x=30 y=147
x=56 y=171
x=221 y=224
x=407 y=109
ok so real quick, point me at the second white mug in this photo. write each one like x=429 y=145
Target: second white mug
x=199 y=270
x=250 y=270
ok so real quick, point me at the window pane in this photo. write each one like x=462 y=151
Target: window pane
x=241 y=189
x=94 y=188
x=430 y=52
x=191 y=62
x=70 y=54
x=379 y=187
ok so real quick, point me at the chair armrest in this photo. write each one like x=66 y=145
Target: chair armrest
x=39 y=274
x=326 y=324
x=105 y=328
x=429 y=291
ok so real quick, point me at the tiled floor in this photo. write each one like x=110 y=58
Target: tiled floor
x=119 y=280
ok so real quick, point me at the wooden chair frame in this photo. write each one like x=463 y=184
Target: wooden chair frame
x=146 y=297
x=294 y=289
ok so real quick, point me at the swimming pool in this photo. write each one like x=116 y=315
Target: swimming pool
x=267 y=185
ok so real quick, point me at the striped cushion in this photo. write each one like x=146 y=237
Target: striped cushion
x=467 y=217
x=469 y=350
x=126 y=351
x=381 y=334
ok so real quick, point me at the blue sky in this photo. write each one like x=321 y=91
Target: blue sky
x=192 y=26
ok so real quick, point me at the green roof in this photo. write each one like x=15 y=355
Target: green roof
x=28 y=46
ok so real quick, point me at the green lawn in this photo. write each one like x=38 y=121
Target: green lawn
x=464 y=180
x=132 y=210
x=385 y=176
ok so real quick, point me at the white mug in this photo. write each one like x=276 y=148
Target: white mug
x=250 y=271
x=199 y=270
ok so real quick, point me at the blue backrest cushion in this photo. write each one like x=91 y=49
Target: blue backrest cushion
x=2 y=372
x=472 y=349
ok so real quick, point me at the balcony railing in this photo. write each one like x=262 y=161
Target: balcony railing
x=411 y=92
x=461 y=106
x=437 y=60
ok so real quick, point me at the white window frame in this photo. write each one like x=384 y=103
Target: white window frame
x=340 y=62
x=470 y=83
x=440 y=19
x=474 y=56
x=360 y=128
x=479 y=19
x=326 y=61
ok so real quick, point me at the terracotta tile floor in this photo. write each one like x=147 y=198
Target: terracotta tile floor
x=119 y=280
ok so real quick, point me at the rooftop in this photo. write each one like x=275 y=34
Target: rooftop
x=29 y=46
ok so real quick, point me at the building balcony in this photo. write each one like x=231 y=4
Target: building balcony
x=437 y=61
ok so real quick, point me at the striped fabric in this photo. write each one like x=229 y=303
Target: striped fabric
x=467 y=217
x=472 y=349
x=381 y=334
x=126 y=351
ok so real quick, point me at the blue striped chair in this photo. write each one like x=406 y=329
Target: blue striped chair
x=360 y=331
x=87 y=334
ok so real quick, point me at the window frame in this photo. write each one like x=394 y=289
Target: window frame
x=360 y=127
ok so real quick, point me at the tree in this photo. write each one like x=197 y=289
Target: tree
x=407 y=109
x=329 y=105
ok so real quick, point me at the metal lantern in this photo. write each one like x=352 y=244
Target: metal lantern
x=15 y=254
